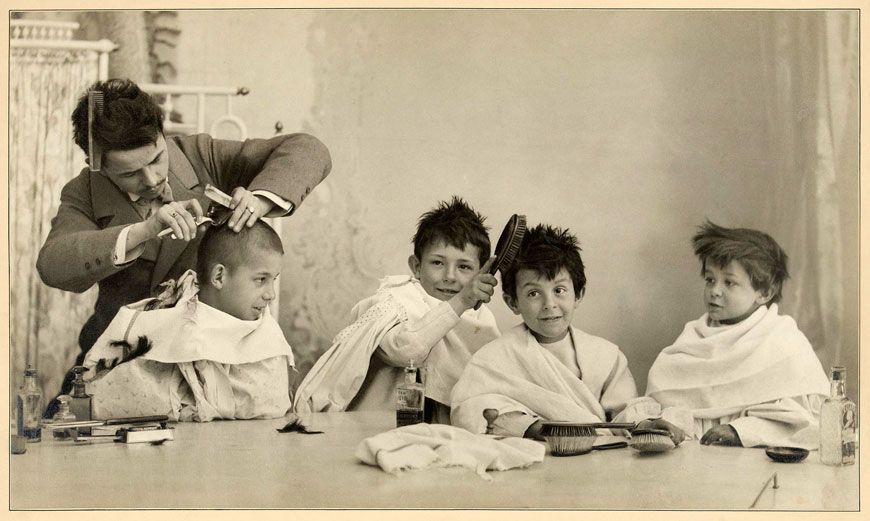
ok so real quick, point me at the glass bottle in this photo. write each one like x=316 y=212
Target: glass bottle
x=838 y=423
x=81 y=403
x=63 y=415
x=410 y=395
x=29 y=407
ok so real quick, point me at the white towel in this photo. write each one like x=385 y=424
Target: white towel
x=423 y=446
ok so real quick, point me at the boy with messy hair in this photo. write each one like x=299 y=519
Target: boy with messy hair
x=742 y=374
x=427 y=318
x=544 y=369
x=202 y=351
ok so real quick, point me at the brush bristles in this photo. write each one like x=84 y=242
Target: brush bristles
x=514 y=246
x=550 y=429
x=569 y=440
x=569 y=445
x=651 y=442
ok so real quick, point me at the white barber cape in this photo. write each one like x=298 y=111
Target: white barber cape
x=516 y=374
x=203 y=364
x=761 y=376
x=348 y=377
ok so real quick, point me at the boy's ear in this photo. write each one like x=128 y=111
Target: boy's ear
x=414 y=264
x=765 y=296
x=579 y=297
x=217 y=276
x=511 y=303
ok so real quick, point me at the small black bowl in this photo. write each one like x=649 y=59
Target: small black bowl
x=786 y=454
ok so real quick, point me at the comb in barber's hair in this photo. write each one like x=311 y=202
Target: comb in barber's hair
x=95 y=107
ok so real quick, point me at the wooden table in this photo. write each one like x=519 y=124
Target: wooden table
x=248 y=464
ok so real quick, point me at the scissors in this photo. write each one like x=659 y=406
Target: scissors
x=218 y=211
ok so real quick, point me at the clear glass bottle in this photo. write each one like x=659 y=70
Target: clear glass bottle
x=63 y=414
x=29 y=407
x=838 y=423
x=409 y=399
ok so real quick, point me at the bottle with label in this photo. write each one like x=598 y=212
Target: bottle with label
x=838 y=423
x=410 y=395
x=29 y=407
x=80 y=403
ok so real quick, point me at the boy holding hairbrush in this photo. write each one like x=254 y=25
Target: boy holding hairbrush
x=543 y=369
x=742 y=374
x=427 y=318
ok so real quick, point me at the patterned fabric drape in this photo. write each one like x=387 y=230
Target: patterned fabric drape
x=44 y=322
x=813 y=59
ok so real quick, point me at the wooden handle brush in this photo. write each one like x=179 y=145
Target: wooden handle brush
x=571 y=439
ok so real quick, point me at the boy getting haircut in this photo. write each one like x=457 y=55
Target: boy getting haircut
x=427 y=318
x=218 y=335
x=543 y=369
x=741 y=374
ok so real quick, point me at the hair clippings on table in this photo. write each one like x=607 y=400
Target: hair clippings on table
x=95 y=108
x=295 y=425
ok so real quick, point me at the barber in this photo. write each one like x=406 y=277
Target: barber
x=105 y=230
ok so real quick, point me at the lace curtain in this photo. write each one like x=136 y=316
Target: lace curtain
x=814 y=121
x=44 y=85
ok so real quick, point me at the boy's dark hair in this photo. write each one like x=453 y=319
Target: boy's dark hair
x=221 y=245
x=455 y=223
x=760 y=255
x=546 y=250
x=130 y=118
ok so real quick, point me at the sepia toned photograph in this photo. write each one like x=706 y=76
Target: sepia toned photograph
x=528 y=259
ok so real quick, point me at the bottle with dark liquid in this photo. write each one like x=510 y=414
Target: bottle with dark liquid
x=29 y=407
x=409 y=398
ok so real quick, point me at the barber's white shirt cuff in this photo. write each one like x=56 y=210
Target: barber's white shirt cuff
x=282 y=206
x=121 y=256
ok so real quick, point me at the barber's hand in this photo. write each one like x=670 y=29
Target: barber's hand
x=180 y=216
x=247 y=208
x=479 y=288
x=721 y=435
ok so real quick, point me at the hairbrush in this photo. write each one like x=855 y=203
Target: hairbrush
x=571 y=439
x=95 y=108
x=651 y=440
x=508 y=246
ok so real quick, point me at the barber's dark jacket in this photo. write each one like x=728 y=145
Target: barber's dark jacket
x=78 y=250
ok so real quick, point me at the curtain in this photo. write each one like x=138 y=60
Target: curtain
x=44 y=323
x=814 y=122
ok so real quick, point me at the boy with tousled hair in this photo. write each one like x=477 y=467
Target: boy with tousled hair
x=742 y=374
x=206 y=351
x=544 y=369
x=428 y=318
